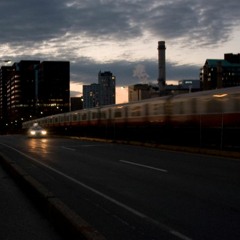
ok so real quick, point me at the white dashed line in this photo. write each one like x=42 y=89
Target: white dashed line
x=145 y=166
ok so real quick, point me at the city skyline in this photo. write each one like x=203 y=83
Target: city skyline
x=120 y=36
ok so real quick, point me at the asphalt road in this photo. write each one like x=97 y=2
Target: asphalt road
x=129 y=192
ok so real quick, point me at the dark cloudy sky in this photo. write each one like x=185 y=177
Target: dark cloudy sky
x=120 y=36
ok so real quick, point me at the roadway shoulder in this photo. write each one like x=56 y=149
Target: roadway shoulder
x=65 y=219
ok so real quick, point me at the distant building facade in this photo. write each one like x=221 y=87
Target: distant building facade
x=101 y=93
x=76 y=103
x=139 y=92
x=20 y=90
x=107 y=82
x=53 y=95
x=221 y=73
x=91 y=95
x=5 y=77
x=31 y=89
x=189 y=85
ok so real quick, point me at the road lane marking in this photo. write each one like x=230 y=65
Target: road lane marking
x=162 y=226
x=70 y=149
x=146 y=166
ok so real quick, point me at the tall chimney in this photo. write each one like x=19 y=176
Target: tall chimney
x=161 y=66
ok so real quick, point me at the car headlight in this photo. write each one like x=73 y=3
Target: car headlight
x=32 y=132
x=43 y=132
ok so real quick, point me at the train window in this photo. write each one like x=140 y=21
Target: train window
x=74 y=117
x=236 y=104
x=66 y=118
x=136 y=111
x=202 y=104
x=214 y=106
x=193 y=103
x=157 y=108
x=95 y=115
x=168 y=107
x=118 y=113
x=103 y=115
x=84 y=116
x=178 y=107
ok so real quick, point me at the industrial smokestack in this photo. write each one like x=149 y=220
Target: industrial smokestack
x=161 y=67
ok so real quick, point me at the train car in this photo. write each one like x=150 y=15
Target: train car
x=196 y=117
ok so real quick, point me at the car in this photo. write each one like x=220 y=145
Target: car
x=36 y=131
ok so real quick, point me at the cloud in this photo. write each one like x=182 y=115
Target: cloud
x=28 y=20
x=31 y=21
x=199 y=21
x=116 y=35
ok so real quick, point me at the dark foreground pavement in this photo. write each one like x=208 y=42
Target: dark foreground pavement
x=19 y=217
x=29 y=211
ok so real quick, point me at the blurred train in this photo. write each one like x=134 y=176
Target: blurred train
x=207 y=117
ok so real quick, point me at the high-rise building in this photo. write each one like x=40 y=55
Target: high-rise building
x=107 y=82
x=5 y=76
x=53 y=87
x=21 y=93
x=221 y=73
x=101 y=93
x=30 y=89
x=91 y=95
